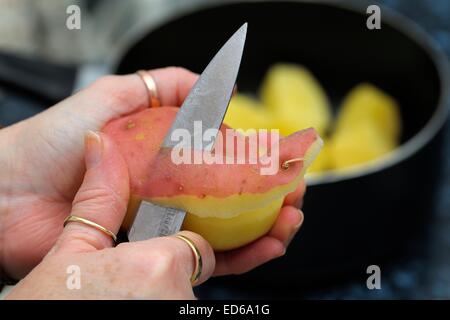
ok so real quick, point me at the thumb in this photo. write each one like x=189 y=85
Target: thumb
x=102 y=197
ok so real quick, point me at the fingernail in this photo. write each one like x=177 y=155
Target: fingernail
x=302 y=217
x=295 y=229
x=282 y=253
x=94 y=149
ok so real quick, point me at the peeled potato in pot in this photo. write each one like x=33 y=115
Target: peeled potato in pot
x=367 y=127
x=359 y=144
x=296 y=99
x=245 y=112
x=367 y=103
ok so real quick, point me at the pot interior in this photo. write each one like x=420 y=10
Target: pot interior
x=334 y=43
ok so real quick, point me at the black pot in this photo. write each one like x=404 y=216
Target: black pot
x=352 y=220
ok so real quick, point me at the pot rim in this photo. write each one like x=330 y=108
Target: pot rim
x=396 y=20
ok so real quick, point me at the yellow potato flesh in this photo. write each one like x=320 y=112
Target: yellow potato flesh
x=368 y=127
x=359 y=144
x=246 y=113
x=225 y=234
x=366 y=103
x=296 y=99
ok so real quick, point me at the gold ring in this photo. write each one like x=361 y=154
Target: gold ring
x=285 y=165
x=151 y=88
x=198 y=258
x=90 y=223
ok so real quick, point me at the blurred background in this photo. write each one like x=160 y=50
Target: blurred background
x=41 y=62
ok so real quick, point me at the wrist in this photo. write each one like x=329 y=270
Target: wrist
x=8 y=156
x=7 y=137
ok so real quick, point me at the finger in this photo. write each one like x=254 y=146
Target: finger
x=287 y=224
x=114 y=96
x=173 y=84
x=176 y=254
x=102 y=197
x=269 y=247
x=206 y=252
x=295 y=198
x=110 y=97
x=249 y=257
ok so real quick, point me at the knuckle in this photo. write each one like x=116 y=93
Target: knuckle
x=179 y=71
x=98 y=198
x=157 y=264
x=166 y=262
x=123 y=246
x=113 y=91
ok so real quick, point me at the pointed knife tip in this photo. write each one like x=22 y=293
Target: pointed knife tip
x=244 y=27
x=242 y=32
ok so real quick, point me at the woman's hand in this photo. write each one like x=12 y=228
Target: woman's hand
x=83 y=264
x=41 y=160
x=42 y=169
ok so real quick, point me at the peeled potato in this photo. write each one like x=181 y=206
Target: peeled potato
x=367 y=127
x=367 y=103
x=296 y=99
x=361 y=143
x=245 y=113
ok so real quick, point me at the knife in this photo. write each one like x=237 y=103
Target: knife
x=206 y=102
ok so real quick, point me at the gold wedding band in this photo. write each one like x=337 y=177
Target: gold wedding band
x=198 y=258
x=151 y=88
x=285 y=165
x=90 y=223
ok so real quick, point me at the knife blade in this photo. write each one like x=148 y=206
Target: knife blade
x=204 y=108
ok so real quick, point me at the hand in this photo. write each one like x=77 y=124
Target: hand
x=159 y=268
x=42 y=160
x=44 y=167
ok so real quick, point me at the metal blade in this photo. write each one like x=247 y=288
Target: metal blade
x=209 y=98
x=155 y=221
x=204 y=108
